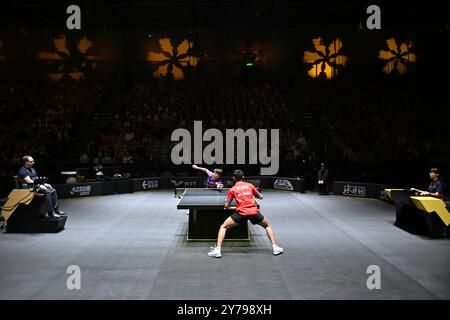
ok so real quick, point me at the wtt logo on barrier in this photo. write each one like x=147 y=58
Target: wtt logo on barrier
x=182 y=183
x=213 y=153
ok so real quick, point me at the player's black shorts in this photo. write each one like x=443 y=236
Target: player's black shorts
x=254 y=218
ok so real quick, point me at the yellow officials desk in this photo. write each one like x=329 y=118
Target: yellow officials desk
x=24 y=212
x=16 y=197
x=420 y=214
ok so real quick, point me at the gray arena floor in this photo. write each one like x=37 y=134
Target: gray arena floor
x=133 y=246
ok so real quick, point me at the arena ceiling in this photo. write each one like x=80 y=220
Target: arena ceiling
x=217 y=13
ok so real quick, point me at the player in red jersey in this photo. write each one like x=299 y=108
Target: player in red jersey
x=244 y=193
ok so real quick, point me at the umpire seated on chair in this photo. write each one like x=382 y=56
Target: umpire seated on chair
x=27 y=176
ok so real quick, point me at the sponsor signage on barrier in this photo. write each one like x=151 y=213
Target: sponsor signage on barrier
x=97 y=188
x=286 y=184
x=145 y=184
x=184 y=183
x=150 y=184
x=279 y=183
x=283 y=184
x=84 y=190
x=167 y=183
x=141 y=184
x=358 y=189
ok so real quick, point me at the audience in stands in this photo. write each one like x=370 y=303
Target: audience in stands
x=357 y=126
x=141 y=127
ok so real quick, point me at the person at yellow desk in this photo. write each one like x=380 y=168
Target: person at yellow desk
x=27 y=176
x=435 y=188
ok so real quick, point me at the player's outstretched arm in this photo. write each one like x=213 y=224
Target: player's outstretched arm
x=199 y=168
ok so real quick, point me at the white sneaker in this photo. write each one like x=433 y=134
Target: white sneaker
x=277 y=250
x=53 y=215
x=215 y=252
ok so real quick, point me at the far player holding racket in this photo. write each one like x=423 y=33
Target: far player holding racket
x=213 y=180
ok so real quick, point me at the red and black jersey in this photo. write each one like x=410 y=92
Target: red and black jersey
x=244 y=193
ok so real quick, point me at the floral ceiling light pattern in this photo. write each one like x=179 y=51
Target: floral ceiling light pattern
x=397 y=57
x=172 y=60
x=73 y=62
x=325 y=61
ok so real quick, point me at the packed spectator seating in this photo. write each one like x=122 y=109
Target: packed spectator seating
x=354 y=126
x=38 y=120
x=382 y=126
x=142 y=126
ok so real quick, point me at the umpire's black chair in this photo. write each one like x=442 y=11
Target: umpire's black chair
x=32 y=218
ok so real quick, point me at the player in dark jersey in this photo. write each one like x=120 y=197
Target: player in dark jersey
x=435 y=188
x=246 y=209
x=213 y=180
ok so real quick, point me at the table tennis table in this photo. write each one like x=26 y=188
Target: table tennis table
x=206 y=214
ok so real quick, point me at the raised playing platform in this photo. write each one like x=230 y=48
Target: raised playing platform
x=133 y=246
